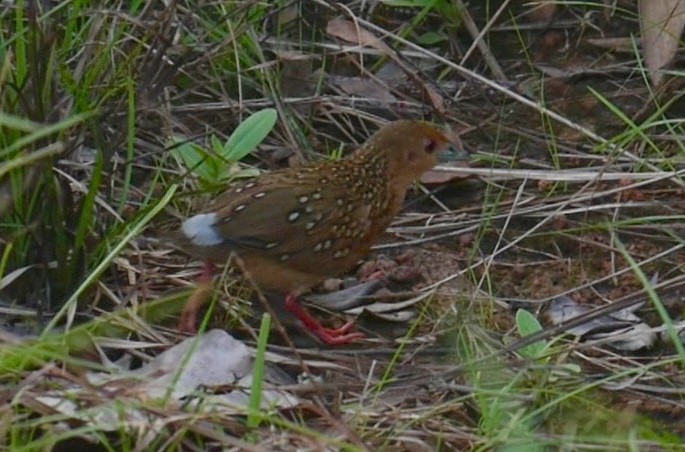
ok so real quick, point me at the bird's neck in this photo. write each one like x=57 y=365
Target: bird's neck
x=378 y=166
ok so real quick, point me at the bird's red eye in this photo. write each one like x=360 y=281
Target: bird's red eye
x=429 y=145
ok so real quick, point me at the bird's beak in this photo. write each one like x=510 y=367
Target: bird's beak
x=454 y=153
x=452 y=156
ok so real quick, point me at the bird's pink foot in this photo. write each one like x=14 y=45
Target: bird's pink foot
x=188 y=321
x=207 y=272
x=330 y=336
x=187 y=324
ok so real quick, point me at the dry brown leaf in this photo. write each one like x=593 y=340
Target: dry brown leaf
x=542 y=11
x=362 y=87
x=352 y=32
x=661 y=22
x=617 y=45
x=436 y=99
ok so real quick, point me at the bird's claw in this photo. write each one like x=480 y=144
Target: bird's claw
x=337 y=336
x=330 y=337
x=343 y=330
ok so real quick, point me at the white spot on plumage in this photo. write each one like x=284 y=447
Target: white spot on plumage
x=200 y=230
x=341 y=253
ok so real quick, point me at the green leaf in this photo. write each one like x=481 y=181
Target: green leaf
x=195 y=159
x=224 y=172
x=527 y=324
x=217 y=145
x=431 y=38
x=247 y=136
x=213 y=167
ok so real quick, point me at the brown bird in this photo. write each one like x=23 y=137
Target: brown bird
x=294 y=228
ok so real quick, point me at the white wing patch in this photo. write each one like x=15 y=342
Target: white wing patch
x=200 y=230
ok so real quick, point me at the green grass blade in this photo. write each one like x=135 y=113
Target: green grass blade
x=254 y=409
x=133 y=231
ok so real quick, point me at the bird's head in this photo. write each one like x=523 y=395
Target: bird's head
x=409 y=147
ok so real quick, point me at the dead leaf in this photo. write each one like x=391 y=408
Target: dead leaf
x=395 y=317
x=383 y=308
x=631 y=339
x=542 y=11
x=352 y=32
x=436 y=99
x=661 y=22
x=213 y=359
x=622 y=330
x=616 y=45
x=107 y=416
x=345 y=299
x=361 y=87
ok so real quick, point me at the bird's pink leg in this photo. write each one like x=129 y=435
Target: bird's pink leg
x=188 y=321
x=337 y=336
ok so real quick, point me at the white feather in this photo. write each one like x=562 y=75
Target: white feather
x=200 y=230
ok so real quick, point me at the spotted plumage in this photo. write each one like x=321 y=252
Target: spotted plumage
x=295 y=227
